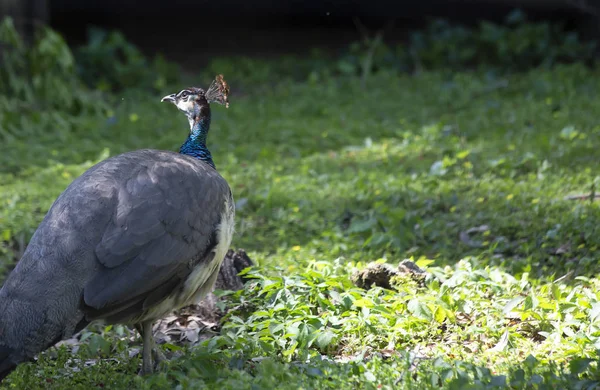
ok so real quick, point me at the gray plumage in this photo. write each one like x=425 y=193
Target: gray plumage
x=133 y=238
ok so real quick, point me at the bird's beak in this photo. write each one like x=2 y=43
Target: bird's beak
x=169 y=98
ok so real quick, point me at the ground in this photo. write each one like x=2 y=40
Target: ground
x=480 y=179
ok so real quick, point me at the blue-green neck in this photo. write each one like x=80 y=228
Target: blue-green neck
x=195 y=144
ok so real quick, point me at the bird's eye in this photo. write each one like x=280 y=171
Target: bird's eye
x=184 y=95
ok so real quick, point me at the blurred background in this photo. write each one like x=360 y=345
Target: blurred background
x=80 y=81
x=262 y=28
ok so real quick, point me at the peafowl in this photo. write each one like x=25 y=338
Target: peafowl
x=133 y=238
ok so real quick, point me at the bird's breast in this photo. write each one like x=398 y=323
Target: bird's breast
x=203 y=276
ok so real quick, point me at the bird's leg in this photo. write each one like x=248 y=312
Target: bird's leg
x=157 y=354
x=140 y=329
x=145 y=330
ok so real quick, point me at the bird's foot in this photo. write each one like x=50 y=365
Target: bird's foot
x=159 y=357
x=152 y=355
x=147 y=368
x=150 y=366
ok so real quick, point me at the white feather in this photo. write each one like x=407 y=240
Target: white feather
x=202 y=279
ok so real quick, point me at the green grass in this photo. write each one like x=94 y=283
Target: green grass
x=329 y=177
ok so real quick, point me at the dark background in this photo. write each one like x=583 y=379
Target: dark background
x=190 y=31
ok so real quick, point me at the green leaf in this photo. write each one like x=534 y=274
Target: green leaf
x=531 y=302
x=369 y=376
x=360 y=226
x=364 y=302
x=463 y=154
x=424 y=262
x=314 y=371
x=6 y=235
x=510 y=305
x=439 y=314
x=172 y=347
x=579 y=365
x=324 y=338
x=502 y=343
x=595 y=312
x=419 y=309
x=498 y=381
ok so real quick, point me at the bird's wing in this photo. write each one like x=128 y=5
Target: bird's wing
x=163 y=225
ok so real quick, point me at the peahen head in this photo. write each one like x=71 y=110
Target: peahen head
x=195 y=104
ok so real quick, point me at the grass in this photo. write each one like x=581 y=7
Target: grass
x=329 y=177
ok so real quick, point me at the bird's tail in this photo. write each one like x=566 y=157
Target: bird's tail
x=24 y=333
x=8 y=361
x=34 y=316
